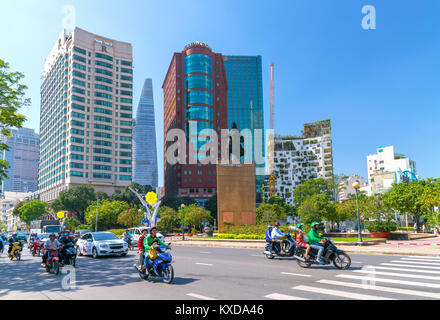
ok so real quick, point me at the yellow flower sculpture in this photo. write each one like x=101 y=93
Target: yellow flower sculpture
x=151 y=197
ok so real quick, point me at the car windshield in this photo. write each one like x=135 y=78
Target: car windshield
x=104 y=236
x=84 y=231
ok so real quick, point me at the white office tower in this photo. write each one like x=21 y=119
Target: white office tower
x=86 y=115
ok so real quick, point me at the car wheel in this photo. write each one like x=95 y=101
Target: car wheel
x=95 y=253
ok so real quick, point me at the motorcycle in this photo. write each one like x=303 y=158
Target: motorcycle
x=36 y=248
x=331 y=254
x=15 y=251
x=53 y=262
x=131 y=244
x=69 y=255
x=272 y=251
x=159 y=267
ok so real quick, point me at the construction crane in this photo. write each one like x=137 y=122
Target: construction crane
x=271 y=144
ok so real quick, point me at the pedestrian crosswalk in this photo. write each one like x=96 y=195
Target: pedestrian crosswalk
x=401 y=279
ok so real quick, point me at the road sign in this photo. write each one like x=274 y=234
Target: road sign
x=60 y=215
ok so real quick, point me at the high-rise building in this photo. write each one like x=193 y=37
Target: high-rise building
x=195 y=99
x=345 y=186
x=86 y=114
x=245 y=106
x=144 y=135
x=298 y=159
x=23 y=160
x=386 y=167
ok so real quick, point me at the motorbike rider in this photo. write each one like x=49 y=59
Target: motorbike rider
x=299 y=238
x=316 y=241
x=269 y=234
x=13 y=239
x=66 y=240
x=127 y=237
x=141 y=248
x=276 y=237
x=153 y=239
x=51 y=244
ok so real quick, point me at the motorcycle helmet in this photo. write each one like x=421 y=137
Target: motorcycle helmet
x=52 y=235
x=270 y=226
x=300 y=226
x=314 y=224
x=276 y=224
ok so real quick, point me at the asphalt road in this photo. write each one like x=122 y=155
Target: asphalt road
x=223 y=273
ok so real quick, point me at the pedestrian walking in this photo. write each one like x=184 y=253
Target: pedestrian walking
x=424 y=228
x=415 y=227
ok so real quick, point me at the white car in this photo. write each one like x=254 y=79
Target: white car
x=101 y=244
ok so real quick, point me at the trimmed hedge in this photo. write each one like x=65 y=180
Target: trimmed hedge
x=117 y=232
x=241 y=236
x=252 y=230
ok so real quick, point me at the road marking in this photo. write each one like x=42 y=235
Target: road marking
x=409 y=283
x=357 y=262
x=406 y=269
x=256 y=255
x=205 y=252
x=198 y=296
x=417 y=262
x=404 y=275
x=338 y=293
x=296 y=274
x=279 y=296
x=409 y=266
x=204 y=264
x=421 y=260
x=384 y=289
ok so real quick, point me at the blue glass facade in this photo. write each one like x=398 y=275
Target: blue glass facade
x=245 y=101
x=23 y=158
x=145 y=171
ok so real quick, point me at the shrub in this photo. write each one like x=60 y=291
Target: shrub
x=241 y=236
x=117 y=232
x=405 y=228
x=380 y=226
x=83 y=227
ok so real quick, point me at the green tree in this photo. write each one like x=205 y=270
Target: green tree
x=71 y=223
x=76 y=200
x=169 y=219
x=431 y=199
x=269 y=213
x=211 y=206
x=12 y=98
x=194 y=216
x=16 y=210
x=33 y=210
x=175 y=203
x=107 y=214
x=312 y=187
x=317 y=208
x=101 y=195
x=288 y=208
x=130 y=217
x=407 y=198
x=128 y=196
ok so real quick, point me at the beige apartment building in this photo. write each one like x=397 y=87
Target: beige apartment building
x=86 y=115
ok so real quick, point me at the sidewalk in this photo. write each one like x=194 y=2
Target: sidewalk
x=429 y=247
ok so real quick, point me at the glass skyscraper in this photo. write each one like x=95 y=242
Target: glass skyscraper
x=245 y=103
x=145 y=169
x=23 y=160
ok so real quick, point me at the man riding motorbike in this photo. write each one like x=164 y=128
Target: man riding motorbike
x=66 y=240
x=299 y=238
x=150 y=240
x=316 y=241
x=51 y=244
x=127 y=237
x=269 y=234
x=276 y=237
x=13 y=239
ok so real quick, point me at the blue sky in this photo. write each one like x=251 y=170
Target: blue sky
x=379 y=87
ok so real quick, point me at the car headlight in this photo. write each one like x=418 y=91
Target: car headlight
x=103 y=245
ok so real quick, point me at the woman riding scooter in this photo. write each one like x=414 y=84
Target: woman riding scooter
x=299 y=238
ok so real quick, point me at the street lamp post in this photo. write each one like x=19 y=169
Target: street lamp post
x=356 y=187
x=182 y=206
